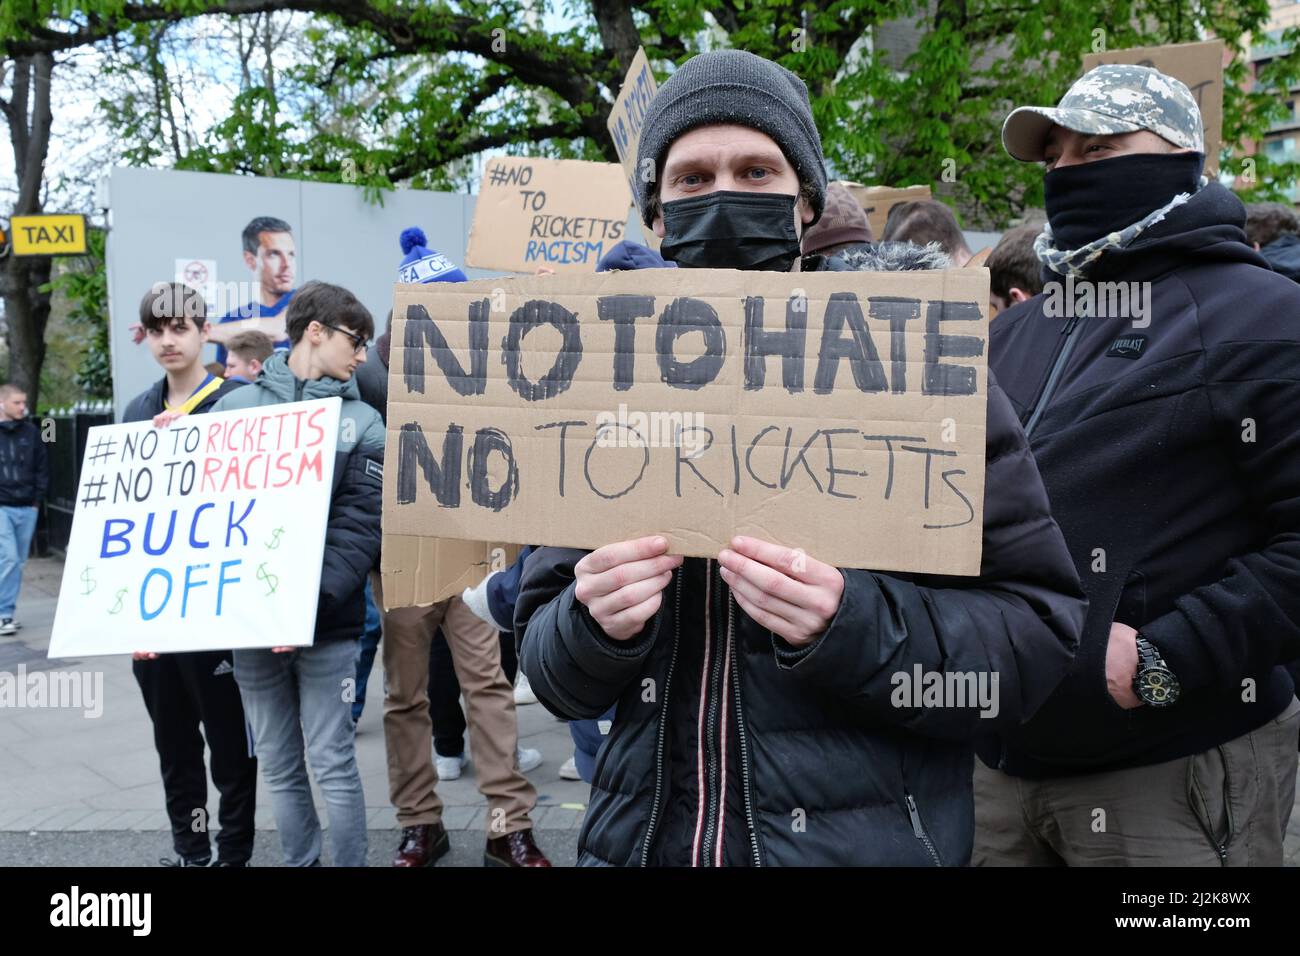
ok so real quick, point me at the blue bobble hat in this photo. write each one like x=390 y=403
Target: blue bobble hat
x=423 y=264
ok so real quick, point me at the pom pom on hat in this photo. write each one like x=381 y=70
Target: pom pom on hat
x=411 y=238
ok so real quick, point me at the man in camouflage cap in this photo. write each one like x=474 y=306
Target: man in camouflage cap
x=1109 y=100
x=1157 y=378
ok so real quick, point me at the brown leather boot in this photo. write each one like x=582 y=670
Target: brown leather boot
x=514 y=849
x=422 y=845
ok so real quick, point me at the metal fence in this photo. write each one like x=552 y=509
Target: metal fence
x=71 y=425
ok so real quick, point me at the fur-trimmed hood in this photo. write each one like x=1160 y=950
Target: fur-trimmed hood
x=883 y=257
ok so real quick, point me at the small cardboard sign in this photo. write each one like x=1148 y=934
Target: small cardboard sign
x=563 y=214
x=625 y=119
x=204 y=535
x=838 y=412
x=878 y=200
x=1199 y=65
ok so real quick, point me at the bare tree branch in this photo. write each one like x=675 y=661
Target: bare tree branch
x=412 y=167
x=17 y=115
x=37 y=146
x=341 y=61
x=618 y=32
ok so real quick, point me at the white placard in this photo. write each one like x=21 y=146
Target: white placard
x=204 y=535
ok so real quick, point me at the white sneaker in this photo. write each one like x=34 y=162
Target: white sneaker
x=449 y=768
x=524 y=691
x=527 y=758
x=9 y=626
x=569 y=770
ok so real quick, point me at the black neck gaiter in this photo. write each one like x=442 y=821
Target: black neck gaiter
x=1089 y=200
x=731 y=230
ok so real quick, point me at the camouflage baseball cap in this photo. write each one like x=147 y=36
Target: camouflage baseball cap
x=1117 y=98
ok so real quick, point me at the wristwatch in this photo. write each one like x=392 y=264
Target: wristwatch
x=1155 y=683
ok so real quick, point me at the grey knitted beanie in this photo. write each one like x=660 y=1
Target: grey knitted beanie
x=732 y=86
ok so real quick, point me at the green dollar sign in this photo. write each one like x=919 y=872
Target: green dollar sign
x=88 y=581
x=117 y=608
x=272 y=581
x=275 y=539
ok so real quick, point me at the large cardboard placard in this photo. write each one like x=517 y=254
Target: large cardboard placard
x=563 y=214
x=1199 y=65
x=878 y=200
x=842 y=413
x=204 y=535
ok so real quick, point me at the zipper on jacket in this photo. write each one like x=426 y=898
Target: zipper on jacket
x=1062 y=356
x=722 y=728
x=919 y=830
x=663 y=726
x=713 y=822
x=744 y=743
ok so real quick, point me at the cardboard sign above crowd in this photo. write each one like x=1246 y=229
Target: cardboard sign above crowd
x=204 y=535
x=878 y=200
x=1199 y=65
x=625 y=119
x=563 y=214
x=842 y=413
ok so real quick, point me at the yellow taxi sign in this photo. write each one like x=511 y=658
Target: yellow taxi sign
x=53 y=235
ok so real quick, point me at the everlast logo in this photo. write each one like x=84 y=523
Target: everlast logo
x=1127 y=346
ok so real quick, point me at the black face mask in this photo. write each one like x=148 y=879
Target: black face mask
x=731 y=230
x=1086 y=201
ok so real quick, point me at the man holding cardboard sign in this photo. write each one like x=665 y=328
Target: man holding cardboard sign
x=763 y=709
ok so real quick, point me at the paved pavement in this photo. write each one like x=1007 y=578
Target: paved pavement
x=77 y=789
x=86 y=791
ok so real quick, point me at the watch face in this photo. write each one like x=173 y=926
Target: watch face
x=1157 y=686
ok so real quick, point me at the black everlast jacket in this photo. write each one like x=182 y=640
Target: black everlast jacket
x=24 y=464
x=1171 y=454
x=731 y=746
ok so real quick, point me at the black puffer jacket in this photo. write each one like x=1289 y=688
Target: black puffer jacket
x=803 y=749
x=1171 y=453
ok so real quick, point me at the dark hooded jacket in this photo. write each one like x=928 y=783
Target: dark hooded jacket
x=731 y=746
x=1170 y=447
x=352 y=531
x=1283 y=255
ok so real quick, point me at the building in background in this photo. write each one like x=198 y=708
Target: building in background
x=1282 y=142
